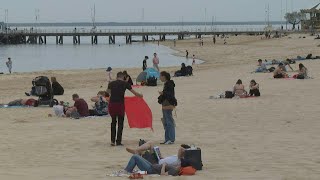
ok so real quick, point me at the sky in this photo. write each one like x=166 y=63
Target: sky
x=23 y=11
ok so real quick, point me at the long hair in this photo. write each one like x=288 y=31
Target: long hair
x=239 y=82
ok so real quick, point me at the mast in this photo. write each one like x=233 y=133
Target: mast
x=93 y=16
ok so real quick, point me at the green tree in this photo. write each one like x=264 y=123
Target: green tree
x=295 y=18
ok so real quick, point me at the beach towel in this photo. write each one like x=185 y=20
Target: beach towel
x=138 y=113
x=6 y=106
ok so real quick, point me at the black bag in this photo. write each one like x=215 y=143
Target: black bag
x=142 y=142
x=300 y=76
x=229 y=94
x=152 y=81
x=189 y=71
x=272 y=69
x=193 y=157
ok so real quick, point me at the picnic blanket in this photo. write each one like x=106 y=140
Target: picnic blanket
x=138 y=113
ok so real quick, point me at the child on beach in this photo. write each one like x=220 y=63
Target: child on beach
x=9 y=65
x=193 y=60
x=109 y=77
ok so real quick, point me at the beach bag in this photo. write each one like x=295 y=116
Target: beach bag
x=272 y=69
x=300 y=76
x=189 y=71
x=152 y=81
x=194 y=157
x=229 y=94
x=187 y=171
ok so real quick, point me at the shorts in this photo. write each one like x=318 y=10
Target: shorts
x=116 y=109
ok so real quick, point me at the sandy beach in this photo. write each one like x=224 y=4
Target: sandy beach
x=271 y=137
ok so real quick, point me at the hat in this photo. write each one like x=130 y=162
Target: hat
x=109 y=69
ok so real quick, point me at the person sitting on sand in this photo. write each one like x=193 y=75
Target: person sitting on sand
x=56 y=87
x=101 y=104
x=79 y=109
x=254 y=88
x=144 y=165
x=182 y=72
x=261 y=67
x=127 y=78
x=279 y=72
x=303 y=72
x=22 y=102
x=239 y=90
x=174 y=160
x=286 y=64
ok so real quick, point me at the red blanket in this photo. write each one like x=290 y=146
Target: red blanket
x=138 y=113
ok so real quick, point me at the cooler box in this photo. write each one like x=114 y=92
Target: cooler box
x=194 y=157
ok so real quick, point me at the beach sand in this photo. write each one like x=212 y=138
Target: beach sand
x=271 y=137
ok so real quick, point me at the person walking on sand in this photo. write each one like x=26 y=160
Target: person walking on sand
x=117 y=90
x=156 y=62
x=9 y=65
x=187 y=54
x=168 y=101
x=109 y=74
x=214 y=39
x=193 y=60
x=144 y=64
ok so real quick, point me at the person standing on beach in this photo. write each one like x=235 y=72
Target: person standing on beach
x=168 y=101
x=144 y=64
x=117 y=90
x=174 y=42
x=109 y=76
x=187 y=54
x=214 y=39
x=193 y=60
x=156 y=62
x=9 y=65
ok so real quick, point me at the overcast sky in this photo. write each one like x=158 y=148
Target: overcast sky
x=154 y=10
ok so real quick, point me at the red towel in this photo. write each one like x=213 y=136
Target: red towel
x=138 y=113
x=136 y=86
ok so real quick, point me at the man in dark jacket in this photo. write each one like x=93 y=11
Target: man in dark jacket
x=56 y=87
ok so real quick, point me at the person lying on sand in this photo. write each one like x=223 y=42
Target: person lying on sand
x=174 y=160
x=144 y=165
x=279 y=72
x=286 y=64
x=239 y=90
x=22 y=102
x=262 y=67
x=254 y=88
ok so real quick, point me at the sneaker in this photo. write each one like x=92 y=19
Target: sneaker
x=113 y=144
x=119 y=144
x=169 y=142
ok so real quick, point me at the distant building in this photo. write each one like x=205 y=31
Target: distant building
x=313 y=18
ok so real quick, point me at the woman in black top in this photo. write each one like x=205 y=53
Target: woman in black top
x=169 y=102
x=144 y=65
x=56 y=87
x=127 y=78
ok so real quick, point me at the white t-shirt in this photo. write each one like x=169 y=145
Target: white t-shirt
x=58 y=110
x=171 y=160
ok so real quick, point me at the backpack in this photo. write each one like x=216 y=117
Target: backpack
x=229 y=94
x=152 y=81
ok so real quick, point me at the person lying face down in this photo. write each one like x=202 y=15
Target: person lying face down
x=23 y=102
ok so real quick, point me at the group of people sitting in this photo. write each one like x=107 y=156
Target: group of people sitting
x=184 y=71
x=239 y=90
x=281 y=72
x=81 y=109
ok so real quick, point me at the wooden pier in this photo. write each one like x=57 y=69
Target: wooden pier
x=39 y=36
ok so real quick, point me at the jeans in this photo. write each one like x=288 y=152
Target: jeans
x=120 y=129
x=170 y=132
x=142 y=164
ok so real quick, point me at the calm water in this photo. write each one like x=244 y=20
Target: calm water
x=29 y=58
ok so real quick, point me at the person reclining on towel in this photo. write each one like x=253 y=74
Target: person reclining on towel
x=174 y=160
x=23 y=102
x=254 y=88
x=279 y=72
x=239 y=90
x=182 y=72
x=262 y=67
x=144 y=165
x=101 y=104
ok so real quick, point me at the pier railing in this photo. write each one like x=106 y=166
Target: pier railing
x=133 y=31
